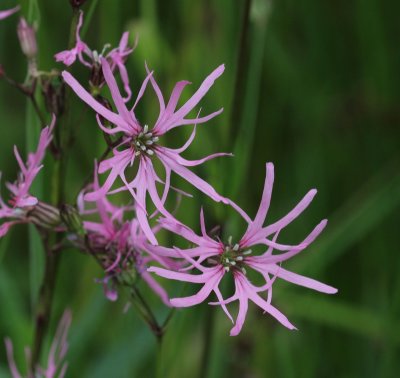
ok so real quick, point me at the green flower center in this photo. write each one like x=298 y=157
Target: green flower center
x=145 y=142
x=233 y=256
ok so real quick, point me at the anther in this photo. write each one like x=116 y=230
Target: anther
x=247 y=252
x=239 y=258
x=226 y=268
x=236 y=247
x=150 y=152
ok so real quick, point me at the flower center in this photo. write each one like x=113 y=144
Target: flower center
x=144 y=142
x=233 y=256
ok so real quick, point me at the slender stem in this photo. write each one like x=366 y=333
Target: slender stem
x=37 y=110
x=160 y=361
x=43 y=310
x=44 y=306
x=240 y=76
x=207 y=346
x=146 y=313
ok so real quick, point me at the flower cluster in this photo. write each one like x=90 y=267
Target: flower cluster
x=92 y=59
x=124 y=238
x=139 y=146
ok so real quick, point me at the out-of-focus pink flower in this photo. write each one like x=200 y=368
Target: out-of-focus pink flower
x=215 y=259
x=21 y=199
x=56 y=368
x=140 y=143
x=6 y=13
x=92 y=59
x=120 y=246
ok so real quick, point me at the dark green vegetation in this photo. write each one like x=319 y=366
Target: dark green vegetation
x=318 y=94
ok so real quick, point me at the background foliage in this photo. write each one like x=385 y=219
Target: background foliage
x=317 y=91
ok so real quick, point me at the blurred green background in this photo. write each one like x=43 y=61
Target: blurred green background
x=312 y=86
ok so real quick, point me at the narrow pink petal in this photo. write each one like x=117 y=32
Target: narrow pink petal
x=142 y=215
x=86 y=97
x=156 y=287
x=243 y=306
x=10 y=357
x=158 y=93
x=198 y=95
x=268 y=258
x=187 y=143
x=301 y=280
x=271 y=310
x=26 y=201
x=265 y=200
x=191 y=177
x=242 y=213
x=193 y=163
x=20 y=161
x=293 y=214
x=179 y=276
x=201 y=295
x=283 y=222
x=223 y=305
x=116 y=95
x=125 y=81
x=184 y=231
x=194 y=121
x=8 y=12
x=141 y=91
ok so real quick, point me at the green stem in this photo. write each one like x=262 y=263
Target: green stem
x=44 y=305
x=45 y=301
x=208 y=339
x=240 y=75
x=146 y=313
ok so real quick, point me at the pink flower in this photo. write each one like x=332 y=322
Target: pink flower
x=68 y=57
x=58 y=350
x=6 y=13
x=215 y=259
x=121 y=246
x=140 y=143
x=21 y=200
x=92 y=59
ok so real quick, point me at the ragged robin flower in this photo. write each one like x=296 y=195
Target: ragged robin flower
x=119 y=245
x=92 y=59
x=216 y=259
x=142 y=144
x=25 y=208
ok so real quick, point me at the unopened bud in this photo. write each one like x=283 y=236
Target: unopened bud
x=72 y=219
x=44 y=215
x=77 y=3
x=27 y=38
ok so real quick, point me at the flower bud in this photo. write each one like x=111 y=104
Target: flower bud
x=27 y=38
x=72 y=219
x=44 y=215
x=77 y=3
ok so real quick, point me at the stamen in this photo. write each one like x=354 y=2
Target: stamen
x=247 y=252
x=235 y=247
